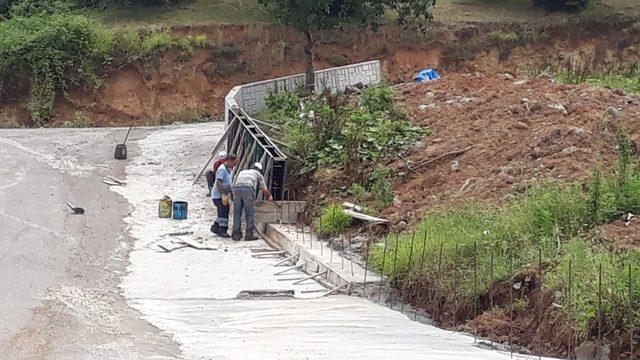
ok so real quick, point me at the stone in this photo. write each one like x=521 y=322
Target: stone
x=521 y=126
x=424 y=107
x=455 y=165
x=612 y=112
x=520 y=82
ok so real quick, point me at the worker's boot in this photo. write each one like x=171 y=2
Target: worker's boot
x=222 y=232
x=215 y=228
x=251 y=237
x=236 y=236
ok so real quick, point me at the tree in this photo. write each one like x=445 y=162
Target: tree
x=310 y=16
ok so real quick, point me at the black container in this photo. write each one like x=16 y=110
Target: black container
x=121 y=149
x=121 y=152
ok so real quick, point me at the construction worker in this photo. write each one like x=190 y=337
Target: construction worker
x=211 y=175
x=220 y=195
x=246 y=185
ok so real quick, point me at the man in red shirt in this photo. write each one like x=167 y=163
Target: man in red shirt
x=211 y=175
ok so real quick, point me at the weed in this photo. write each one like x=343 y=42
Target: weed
x=340 y=60
x=80 y=120
x=357 y=191
x=381 y=186
x=333 y=221
x=498 y=37
x=520 y=305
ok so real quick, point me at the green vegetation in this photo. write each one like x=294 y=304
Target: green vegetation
x=48 y=54
x=567 y=5
x=311 y=16
x=550 y=218
x=332 y=221
x=333 y=132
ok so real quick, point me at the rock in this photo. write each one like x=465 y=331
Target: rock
x=521 y=126
x=568 y=151
x=588 y=350
x=436 y=140
x=546 y=76
x=396 y=201
x=576 y=130
x=424 y=107
x=633 y=100
x=455 y=165
x=612 y=112
x=507 y=76
x=520 y=82
x=558 y=106
x=418 y=144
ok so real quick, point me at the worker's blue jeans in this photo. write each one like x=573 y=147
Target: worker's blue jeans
x=244 y=198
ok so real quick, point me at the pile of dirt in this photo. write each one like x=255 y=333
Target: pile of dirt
x=622 y=235
x=521 y=130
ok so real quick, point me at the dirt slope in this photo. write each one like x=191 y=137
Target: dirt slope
x=524 y=129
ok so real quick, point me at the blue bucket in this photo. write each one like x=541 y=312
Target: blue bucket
x=180 y=209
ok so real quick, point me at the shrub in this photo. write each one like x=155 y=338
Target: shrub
x=566 y=5
x=29 y=8
x=504 y=38
x=381 y=186
x=53 y=52
x=333 y=221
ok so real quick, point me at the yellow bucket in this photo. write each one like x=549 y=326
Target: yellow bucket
x=164 y=207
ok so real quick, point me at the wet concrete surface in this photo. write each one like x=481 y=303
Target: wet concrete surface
x=60 y=295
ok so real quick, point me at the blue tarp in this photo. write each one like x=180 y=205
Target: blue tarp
x=426 y=75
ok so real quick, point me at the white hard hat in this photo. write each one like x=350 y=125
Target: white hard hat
x=222 y=154
x=257 y=166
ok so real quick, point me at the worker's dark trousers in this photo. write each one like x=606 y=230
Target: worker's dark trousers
x=211 y=178
x=221 y=225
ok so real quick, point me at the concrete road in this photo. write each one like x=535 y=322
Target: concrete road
x=60 y=297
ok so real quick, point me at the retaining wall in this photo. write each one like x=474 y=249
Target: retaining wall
x=251 y=97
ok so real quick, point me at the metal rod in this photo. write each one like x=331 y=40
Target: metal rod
x=475 y=288
x=330 y=250
x=455 y=288
x=351 y=257
x=540 y=289
x=288 y=258
x=600 y=303
x=492 y=278
x=630 y=314
x=310 y=277
x=366 y=268
x=319 y=242
x=510 y=302
x=413 y=237
x=438 y=280
x=424 y=248
x=296 y=223
x=569 y=305
x=384 y=259
x=295 y=267
x=342 y=253
x=395 y=260
x=289 y=212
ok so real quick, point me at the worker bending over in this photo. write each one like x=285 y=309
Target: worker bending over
x=246 y=185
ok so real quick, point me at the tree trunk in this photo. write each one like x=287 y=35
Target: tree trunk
x=309 y=51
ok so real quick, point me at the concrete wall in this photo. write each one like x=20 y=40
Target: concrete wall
x=251 y=97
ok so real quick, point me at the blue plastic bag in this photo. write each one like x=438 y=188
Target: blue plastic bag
x=426 y=75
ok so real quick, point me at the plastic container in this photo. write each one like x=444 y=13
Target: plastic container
x=164 y=207
x=180 y=209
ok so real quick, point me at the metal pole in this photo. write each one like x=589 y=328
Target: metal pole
x=424 y=247
x=413 y=237
x=384 y=258
x=351 y=258
x=540 y=290
x=289 y=211
x=438 y=280
x=510 y=302
x=457 y=285
x=600 y=303
x=569 y=304
x=366 y=268
x=294 y=200
x=319 y=242
x=630 y=314
x=492 y=281
x=342 y=253
x=475 y=288
x=395 y=259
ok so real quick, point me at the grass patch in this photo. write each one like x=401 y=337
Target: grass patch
x=333 y=221
x=551 y=218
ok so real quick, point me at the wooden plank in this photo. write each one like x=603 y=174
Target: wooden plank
x=365 y=217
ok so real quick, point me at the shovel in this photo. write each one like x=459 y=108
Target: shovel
x=76 y=210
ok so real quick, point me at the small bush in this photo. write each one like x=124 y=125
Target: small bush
x=357 y=191
x=561 y=5
x=333 y=221
x=504 y=38
x=381 y=186
x=340 y=60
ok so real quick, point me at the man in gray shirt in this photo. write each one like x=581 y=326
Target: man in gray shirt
x=245 y=187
